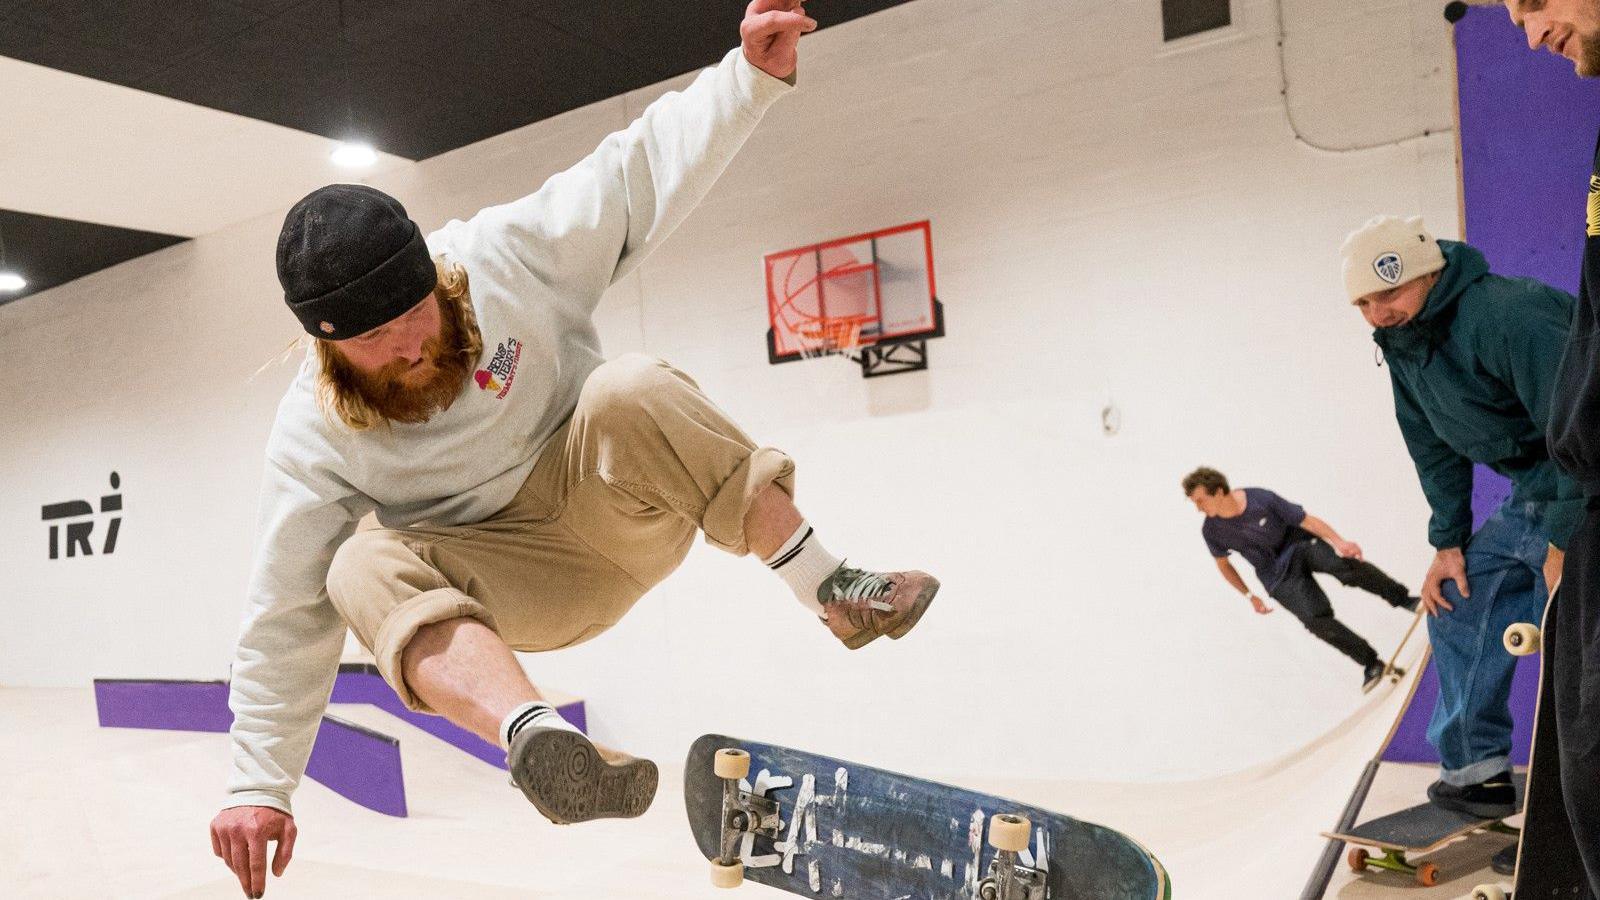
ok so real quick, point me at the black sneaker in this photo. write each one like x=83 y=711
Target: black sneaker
x=1505 y=862
x=1493 y=798
x=1372 y=675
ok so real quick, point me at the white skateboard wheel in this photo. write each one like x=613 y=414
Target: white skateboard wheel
x=1522 y=639
x=1488 y=892
x=730 y=763
x=727 y=876
x=1008 y=832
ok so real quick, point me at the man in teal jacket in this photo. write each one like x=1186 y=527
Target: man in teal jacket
x=1472 y=359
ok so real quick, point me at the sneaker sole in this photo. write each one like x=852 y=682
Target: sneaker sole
x=566 y=779
x=924 y=600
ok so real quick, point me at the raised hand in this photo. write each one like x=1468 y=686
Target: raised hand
x=771 y=32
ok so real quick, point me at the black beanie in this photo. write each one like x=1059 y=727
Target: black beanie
x=349 y=260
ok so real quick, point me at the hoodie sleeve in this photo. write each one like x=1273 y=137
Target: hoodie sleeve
x=289 y=646
x=589 y=226
x=1446 y=475
x=1523 y=350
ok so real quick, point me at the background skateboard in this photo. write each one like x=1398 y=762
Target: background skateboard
x=1417 y=830
x=852 y=831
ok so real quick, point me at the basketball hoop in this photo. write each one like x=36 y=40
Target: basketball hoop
x=831 y=335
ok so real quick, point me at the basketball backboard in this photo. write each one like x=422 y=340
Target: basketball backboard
x=862 y=296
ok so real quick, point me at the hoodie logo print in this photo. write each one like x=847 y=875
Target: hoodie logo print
x=496 y=377
x=1389 y=267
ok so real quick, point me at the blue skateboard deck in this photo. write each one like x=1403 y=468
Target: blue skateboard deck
x=844 y=830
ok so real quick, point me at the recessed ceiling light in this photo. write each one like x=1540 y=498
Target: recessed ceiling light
x=354 y=156
x=11 y=281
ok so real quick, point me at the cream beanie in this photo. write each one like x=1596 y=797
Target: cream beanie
x=1387 y=252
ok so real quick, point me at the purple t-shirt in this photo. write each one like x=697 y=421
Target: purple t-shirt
x=1265 y=534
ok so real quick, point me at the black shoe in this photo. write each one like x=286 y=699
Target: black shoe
x=1371 y=676
x=1505 y=862
x=1411 y=604
x=1493 y=798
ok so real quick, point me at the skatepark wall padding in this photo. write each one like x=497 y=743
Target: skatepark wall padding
x=1527 y=139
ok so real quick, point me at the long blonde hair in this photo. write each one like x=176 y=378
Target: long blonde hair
x=340 y=401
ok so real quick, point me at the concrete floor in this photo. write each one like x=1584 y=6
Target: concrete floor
x=123 y=813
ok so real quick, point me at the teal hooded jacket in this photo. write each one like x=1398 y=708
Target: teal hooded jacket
x=1473 y=374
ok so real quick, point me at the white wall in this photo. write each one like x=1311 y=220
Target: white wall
x=1114 y=222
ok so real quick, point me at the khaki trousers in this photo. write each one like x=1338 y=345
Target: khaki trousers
x=609 y=510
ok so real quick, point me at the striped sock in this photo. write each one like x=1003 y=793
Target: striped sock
x=531 y=713
x=804 y=565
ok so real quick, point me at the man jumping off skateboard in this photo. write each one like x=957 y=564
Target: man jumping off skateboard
x=529 y=491
x=1288 y=547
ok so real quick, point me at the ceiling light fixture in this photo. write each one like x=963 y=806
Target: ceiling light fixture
x=350 y=153
x=9 y=280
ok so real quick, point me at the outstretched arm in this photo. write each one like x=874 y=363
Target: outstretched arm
x=1232 y=576
x=591 y=225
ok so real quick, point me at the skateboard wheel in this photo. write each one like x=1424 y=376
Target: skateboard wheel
x=730 y=763
x=727 y=876
x=1488 y=892
x=1357 y=858
x=1008 y=832
x=1522 y=639
x=1427 y=874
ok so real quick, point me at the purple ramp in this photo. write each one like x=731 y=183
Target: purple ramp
x=359 y=764
x=361 y=683
x=165 y=704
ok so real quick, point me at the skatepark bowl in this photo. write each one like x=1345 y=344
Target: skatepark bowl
x=123 y=813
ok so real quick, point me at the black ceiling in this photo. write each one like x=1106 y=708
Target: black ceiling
x=424 y=76
x=415 y=77
x=50 y=251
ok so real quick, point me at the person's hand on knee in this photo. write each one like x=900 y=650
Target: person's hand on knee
x=1449 y=565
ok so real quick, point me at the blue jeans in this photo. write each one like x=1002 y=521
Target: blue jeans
x=1471 y=726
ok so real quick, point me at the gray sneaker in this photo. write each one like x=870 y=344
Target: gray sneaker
x=862 y=605
x=568 y=780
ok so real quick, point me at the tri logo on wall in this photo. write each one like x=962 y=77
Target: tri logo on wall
x=76 y=518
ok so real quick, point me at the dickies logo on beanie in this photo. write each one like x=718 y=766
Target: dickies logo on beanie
x=1389 y=267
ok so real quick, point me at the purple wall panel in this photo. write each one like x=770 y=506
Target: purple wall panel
x=173 y=705
x=1410 y=742
x=359 y=764
x=1527 y=141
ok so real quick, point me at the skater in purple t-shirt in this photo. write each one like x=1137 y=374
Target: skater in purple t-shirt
x=1287 y=547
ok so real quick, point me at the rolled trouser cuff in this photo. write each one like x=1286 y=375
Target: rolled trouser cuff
x=727 y=508
x=1477 y=773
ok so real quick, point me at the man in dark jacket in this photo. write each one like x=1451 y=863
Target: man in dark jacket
x=1571 y=28
x=1472 y=359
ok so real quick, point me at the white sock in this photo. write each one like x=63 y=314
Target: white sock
x=804 y=564
x=532 y=712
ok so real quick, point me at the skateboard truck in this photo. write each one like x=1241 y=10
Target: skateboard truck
x=743 y=813
x=1008 y=878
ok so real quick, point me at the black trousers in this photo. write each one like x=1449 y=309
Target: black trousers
x=1574 y=619
x=1300 y=594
